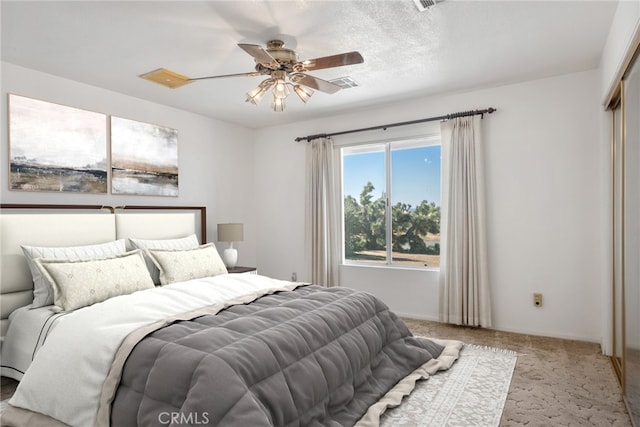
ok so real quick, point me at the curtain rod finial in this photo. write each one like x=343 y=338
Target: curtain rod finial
x=311 y=137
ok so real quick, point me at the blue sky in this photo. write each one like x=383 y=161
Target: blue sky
x=415 y=174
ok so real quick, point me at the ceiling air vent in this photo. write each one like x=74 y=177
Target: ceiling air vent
x=345 y=82
x=423 y=5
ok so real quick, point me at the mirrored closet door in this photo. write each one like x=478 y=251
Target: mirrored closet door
x=631 y=248
x=625 y=150
x=617 y=278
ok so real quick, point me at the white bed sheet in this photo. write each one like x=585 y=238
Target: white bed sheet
x=28 y=330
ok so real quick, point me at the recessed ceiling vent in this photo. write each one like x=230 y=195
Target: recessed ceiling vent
x=423 y=5
x=345 y=82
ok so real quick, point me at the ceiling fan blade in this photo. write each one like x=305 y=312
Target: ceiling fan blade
x=167 y=78
x=260 y=55
x=251 y=74
x=339 y=60
x=173 y=80
x=316 y=83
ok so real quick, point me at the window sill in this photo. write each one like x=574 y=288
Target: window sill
x=389 y=267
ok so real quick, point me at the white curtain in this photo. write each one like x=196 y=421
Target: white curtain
x=323 y=211
x=464 y=282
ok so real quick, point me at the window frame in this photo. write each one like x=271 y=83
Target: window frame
x=387 y=145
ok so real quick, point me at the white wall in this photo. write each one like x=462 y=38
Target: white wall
x=544 y=186
x=544 y=190
x=215 y=158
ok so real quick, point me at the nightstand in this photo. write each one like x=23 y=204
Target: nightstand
x=242 y=270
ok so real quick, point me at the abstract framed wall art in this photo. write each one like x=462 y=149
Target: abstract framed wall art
x=144 y=158
x=53 y=147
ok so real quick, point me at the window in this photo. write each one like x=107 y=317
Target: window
x=391 y=203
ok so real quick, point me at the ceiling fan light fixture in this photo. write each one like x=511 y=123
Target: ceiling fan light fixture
x=280 y=89
x=278 y=104
x=255 y=95
x=303 y=93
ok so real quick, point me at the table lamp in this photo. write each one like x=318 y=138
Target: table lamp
x=231 y=232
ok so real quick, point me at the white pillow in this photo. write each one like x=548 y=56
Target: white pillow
x=79 y=283
x=189 y=242
x=178 y=266
x=42 y=290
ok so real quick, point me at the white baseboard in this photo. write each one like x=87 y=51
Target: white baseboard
x=514 y=331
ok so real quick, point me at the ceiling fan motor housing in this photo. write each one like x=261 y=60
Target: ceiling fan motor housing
x=285 y=57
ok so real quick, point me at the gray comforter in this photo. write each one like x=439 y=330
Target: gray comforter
x=309 y=357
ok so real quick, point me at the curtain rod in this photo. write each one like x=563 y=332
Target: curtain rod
x=412 y=122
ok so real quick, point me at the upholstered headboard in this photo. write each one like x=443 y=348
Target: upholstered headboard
x=30 y=227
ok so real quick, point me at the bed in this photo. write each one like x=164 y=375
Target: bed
x=188 y=344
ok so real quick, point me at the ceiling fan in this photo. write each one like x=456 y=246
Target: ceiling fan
x=283 y=68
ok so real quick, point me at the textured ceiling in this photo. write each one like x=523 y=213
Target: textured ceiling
x=457 y=45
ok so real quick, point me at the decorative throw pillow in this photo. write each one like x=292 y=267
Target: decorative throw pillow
x=42 y=290
x=178 y=266
x=189 y=242
x=79 y=283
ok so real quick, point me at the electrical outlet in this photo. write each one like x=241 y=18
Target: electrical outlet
x=537 y=300
x=294 y=277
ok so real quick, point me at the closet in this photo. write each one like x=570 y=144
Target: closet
x=625 y=162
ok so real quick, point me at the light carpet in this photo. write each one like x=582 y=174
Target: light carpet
x=471 y=393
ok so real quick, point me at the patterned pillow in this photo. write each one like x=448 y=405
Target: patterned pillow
x=79 y=283
x=189 y=242
x=42 y=290
x=178 y=266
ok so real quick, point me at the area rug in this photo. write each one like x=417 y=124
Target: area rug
x=471 y=393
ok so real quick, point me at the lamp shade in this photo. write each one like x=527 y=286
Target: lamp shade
x=231 y=232
x=304 y=93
